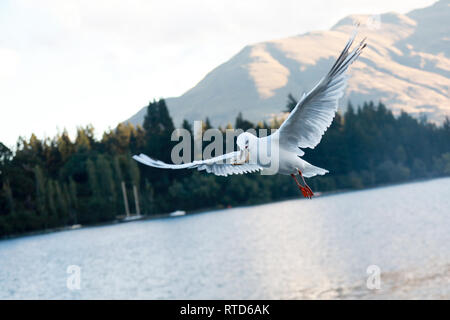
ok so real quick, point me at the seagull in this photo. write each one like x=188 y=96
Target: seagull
x=282 y=150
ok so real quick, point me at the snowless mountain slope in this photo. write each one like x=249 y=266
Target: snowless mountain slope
x=406 y=65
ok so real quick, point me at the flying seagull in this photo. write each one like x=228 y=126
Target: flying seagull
x=282 y=150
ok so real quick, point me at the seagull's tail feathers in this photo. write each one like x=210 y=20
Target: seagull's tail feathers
x=311 y=171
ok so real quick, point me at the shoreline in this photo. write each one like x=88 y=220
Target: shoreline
x=200 y=211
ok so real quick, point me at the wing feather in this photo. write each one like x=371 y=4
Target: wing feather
x=220 y=166
x=315 y=111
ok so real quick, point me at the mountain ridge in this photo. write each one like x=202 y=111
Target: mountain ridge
x=406 y=66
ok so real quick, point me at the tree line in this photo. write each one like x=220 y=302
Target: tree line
x=60 y=182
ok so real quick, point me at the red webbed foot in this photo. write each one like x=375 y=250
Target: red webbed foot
x=306 y=190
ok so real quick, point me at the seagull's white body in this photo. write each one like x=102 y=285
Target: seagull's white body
x=280 y=153
x=281 y=159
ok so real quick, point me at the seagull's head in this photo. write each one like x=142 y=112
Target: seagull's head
x=245 y=141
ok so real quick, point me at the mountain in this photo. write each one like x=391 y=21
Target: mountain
x=406 y=65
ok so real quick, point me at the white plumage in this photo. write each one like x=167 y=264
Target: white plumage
x=315 y=111
x=217 y=165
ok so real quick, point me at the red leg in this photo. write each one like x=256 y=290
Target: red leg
x=304 y=190
x=311 y=194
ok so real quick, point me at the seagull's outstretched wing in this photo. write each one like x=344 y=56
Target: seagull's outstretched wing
x=315 y=111
x=220 y=166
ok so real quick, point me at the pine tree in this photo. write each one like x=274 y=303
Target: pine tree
x=291 y=103
x=51 y=203
x=9 y=197
x=72 y=192
x=65 y=147
x=158 y=127
x=85 y=139
x=243 y=124
x=105 y=178
x=93 y=179
x=186 y=125
x=148 y=198
x=70 y=207
x=40 y=191
x=62 y=205
x=118 y=178
x=207 y=124
x=5 y=155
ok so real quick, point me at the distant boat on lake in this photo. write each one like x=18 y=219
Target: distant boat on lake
x=177 y=213
x=131 y=218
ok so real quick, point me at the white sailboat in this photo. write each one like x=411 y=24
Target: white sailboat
x=177 y=213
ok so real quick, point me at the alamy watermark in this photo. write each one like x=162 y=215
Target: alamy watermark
x=374 y=279
x=263 y=151
x=74 y=279
x=373 y=22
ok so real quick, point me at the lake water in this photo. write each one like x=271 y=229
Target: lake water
x=297 y=249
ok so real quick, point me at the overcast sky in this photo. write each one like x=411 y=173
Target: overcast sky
x=69 y=63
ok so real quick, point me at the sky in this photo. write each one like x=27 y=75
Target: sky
x=71 y=63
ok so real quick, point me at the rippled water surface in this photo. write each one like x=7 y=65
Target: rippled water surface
x=298 y=249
